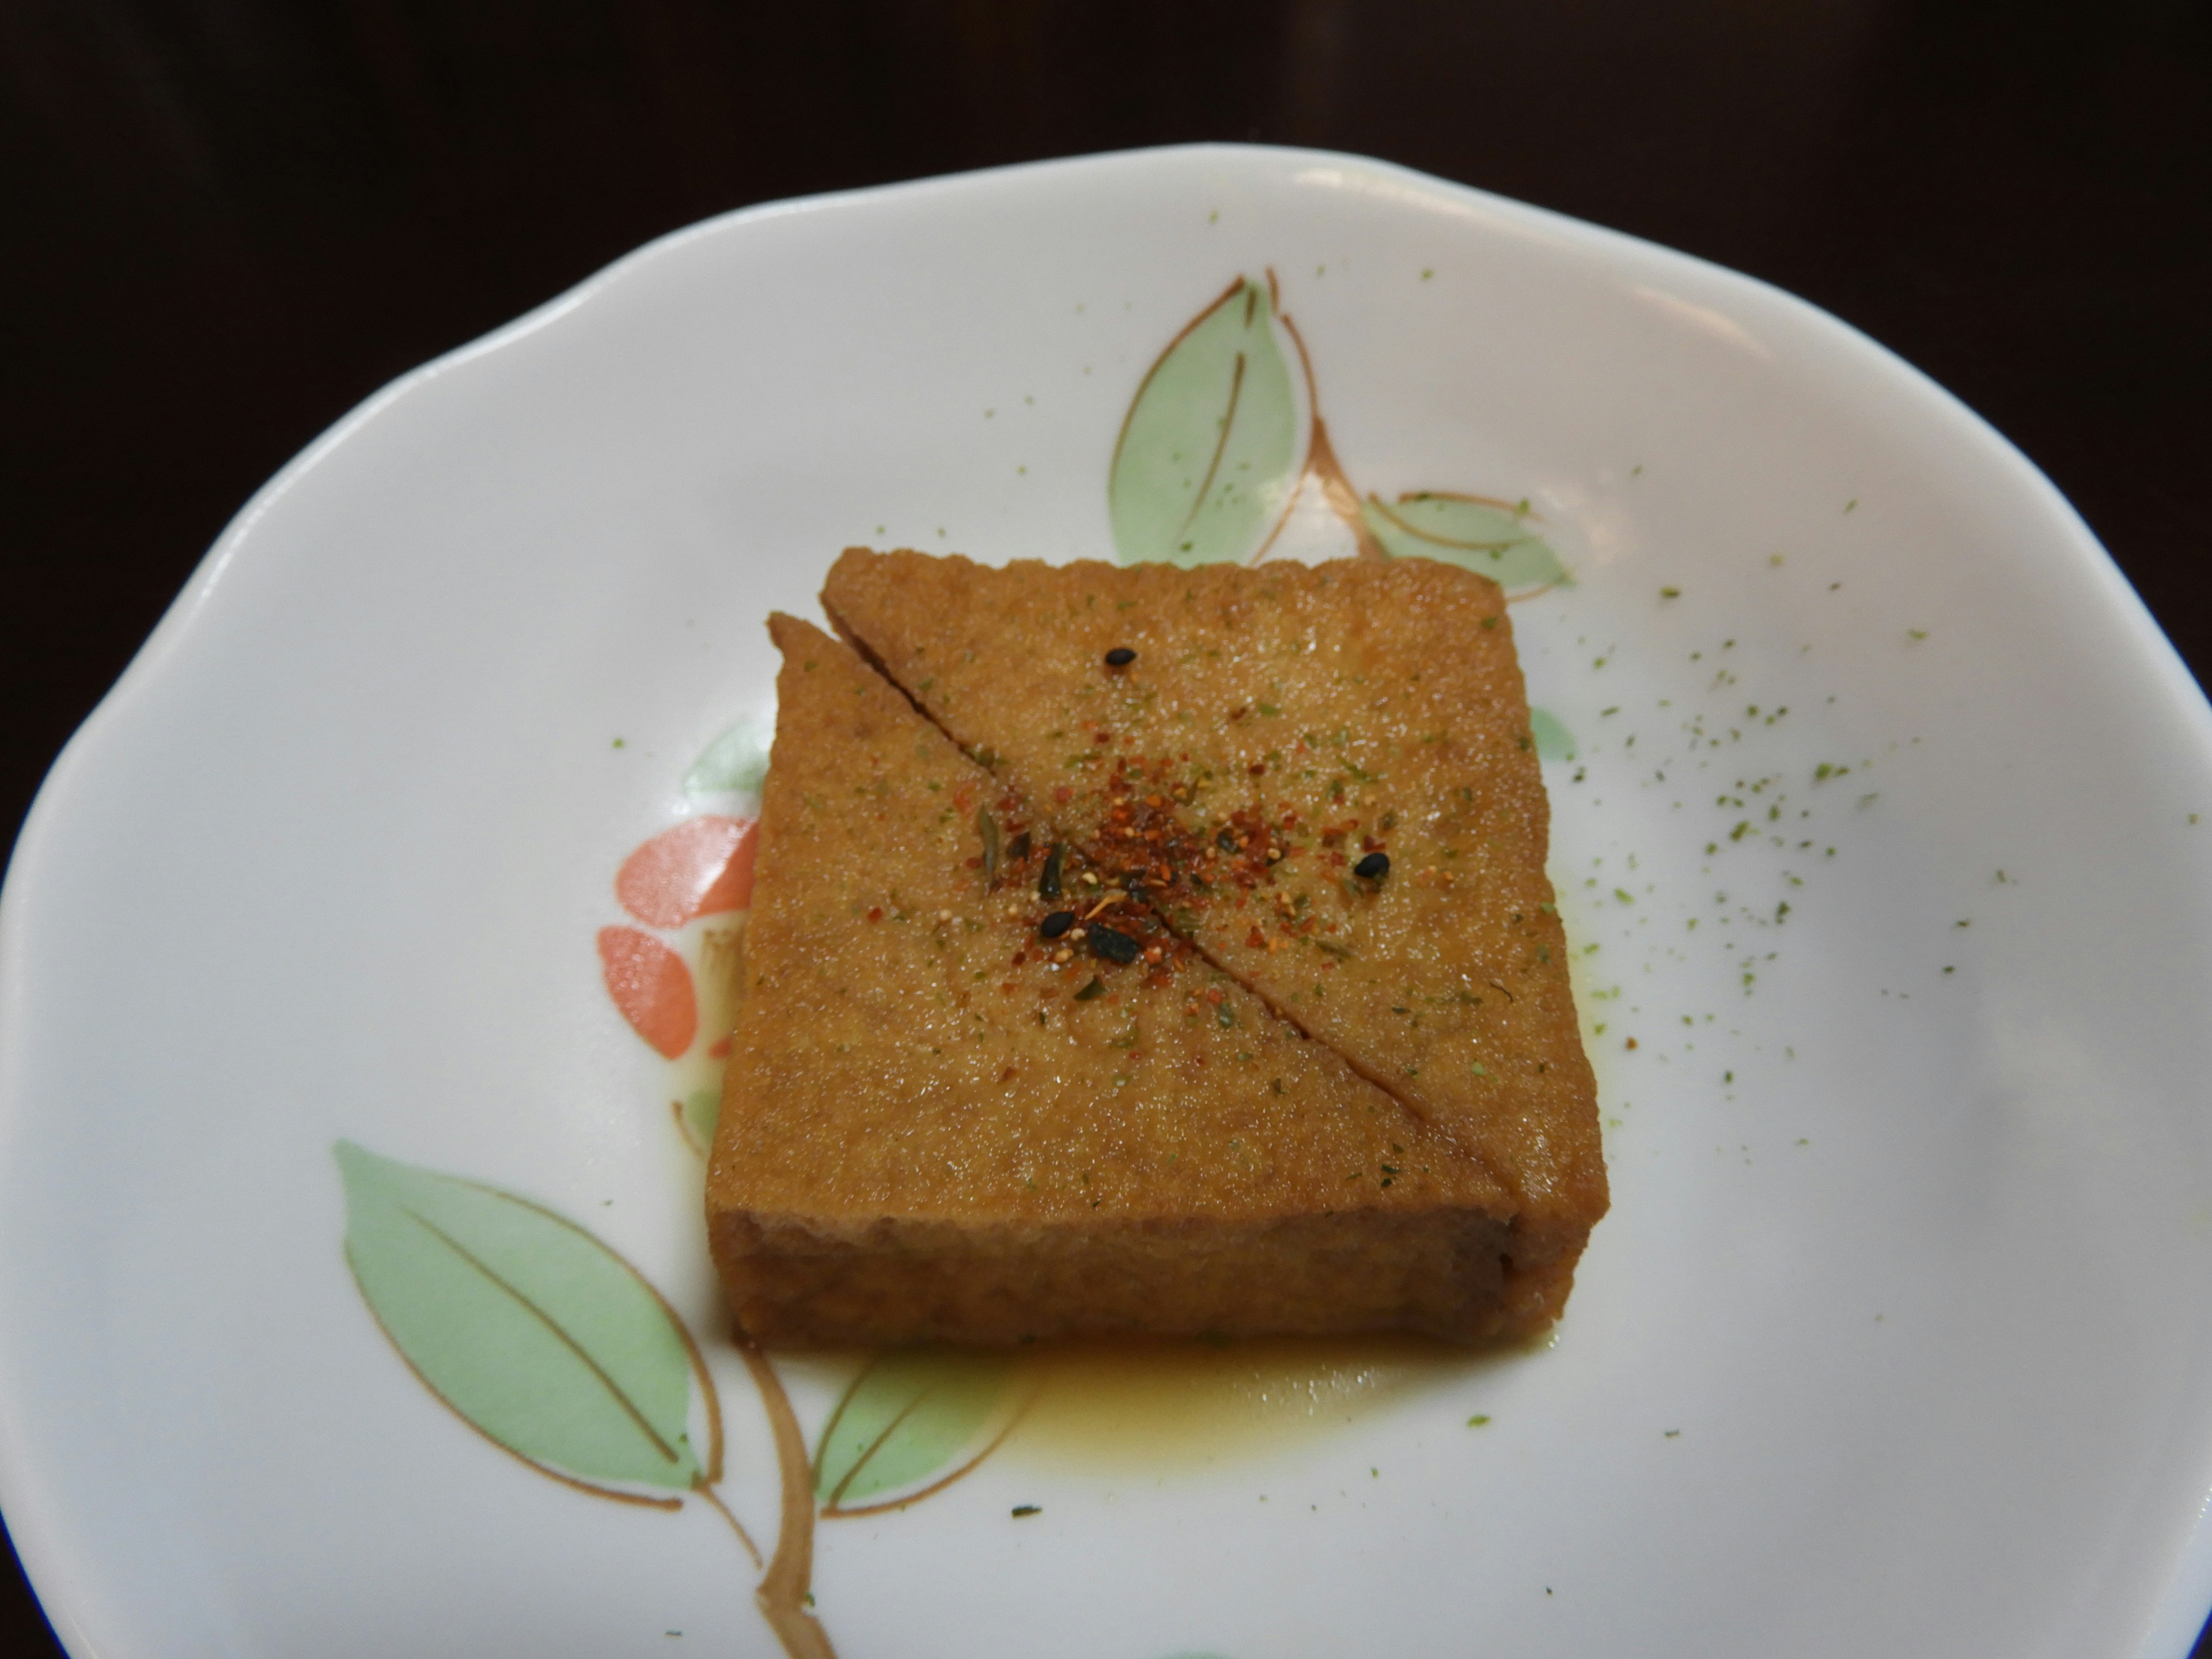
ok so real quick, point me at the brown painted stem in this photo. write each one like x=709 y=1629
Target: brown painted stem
x=713 y=1501
x=1336 y=490
x=783 y=1592
x=1321 y=463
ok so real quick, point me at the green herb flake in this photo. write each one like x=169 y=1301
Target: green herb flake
x=987 y=827
x=1096 y=988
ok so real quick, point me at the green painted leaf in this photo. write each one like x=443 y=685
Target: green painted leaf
x=528 y=1326
x=909 y=1417
x=1553 y=740
x=1494 y=537
x=703 y=1110
x=736 y=762
x=1208 y=454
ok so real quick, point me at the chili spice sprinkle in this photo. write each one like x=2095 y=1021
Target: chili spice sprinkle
x=1159 y=853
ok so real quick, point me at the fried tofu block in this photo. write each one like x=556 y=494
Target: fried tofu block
x=936 y=1129
x=1324 y=779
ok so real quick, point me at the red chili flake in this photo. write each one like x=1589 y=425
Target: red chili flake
x=875 y=912
x=1631 y=1043
x=1256 y=939
x=1061 y=794
x=1007 y=989
x=1020 y=956
x=1102 y=737
x=975 y=863
x=1214 y=994
x=1006 y=1075
x=1259 y=771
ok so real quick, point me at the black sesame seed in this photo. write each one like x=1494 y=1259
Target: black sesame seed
x=1135 y=890
x=1373 y=867
x=1048 y=881
x=1119 y=656
x=1018 y=848
x=1114 y=947
x=1057 y=923
x=1225 y=841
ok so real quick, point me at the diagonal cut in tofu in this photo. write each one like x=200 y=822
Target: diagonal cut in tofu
x=935 y=1129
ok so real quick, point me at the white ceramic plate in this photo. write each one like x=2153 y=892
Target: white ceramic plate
x=1896 y=1340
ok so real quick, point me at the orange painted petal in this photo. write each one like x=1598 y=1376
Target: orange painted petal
x=686 y=872
x=652 y=987
x=733 y=888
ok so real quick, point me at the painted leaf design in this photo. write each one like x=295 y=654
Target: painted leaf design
x=1495 y=537
x=527 y=1325
x=696 y=868
x=736 y=762
x=1208 y=455
x=911 y=1421
x=1553 y=740
x=652 y=987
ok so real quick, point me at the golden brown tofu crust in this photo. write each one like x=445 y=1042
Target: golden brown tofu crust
x=927 y=1135
x=1290 y=721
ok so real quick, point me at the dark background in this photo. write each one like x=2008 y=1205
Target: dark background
x=223 y=222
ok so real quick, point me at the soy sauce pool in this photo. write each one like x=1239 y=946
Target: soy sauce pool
x=1121 y=1407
